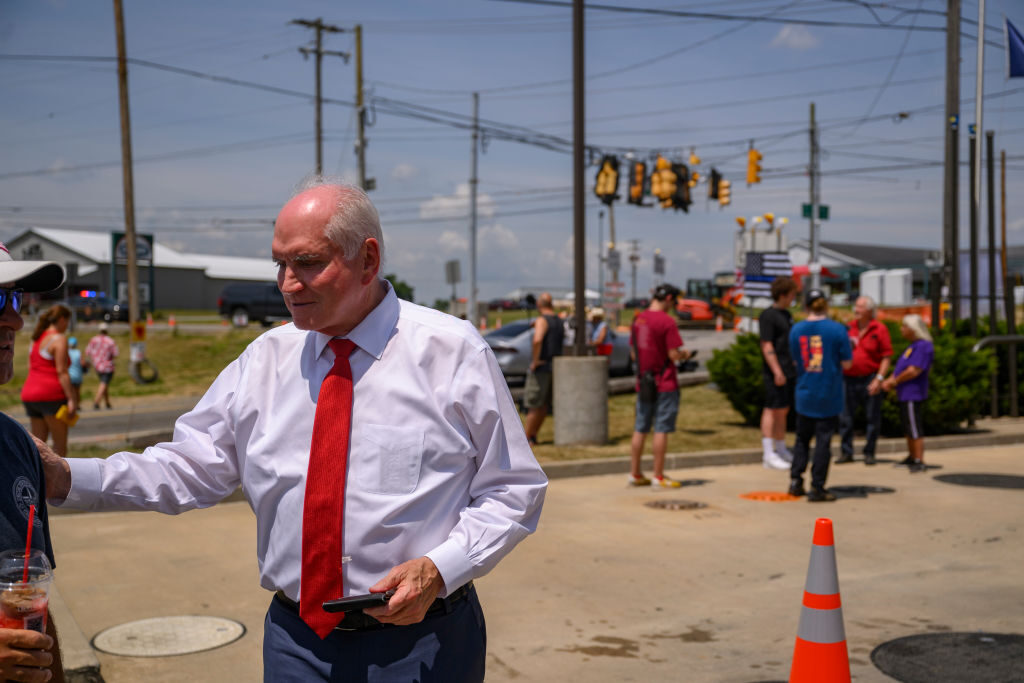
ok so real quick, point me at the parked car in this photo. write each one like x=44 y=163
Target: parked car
x=89 y=308
x=513 y=347
x=259 y=301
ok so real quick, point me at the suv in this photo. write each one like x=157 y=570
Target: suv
x=260 y=301
x=89 y=308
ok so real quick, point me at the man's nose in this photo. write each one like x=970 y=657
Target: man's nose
x=11 y=318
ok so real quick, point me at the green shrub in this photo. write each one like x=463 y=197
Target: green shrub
x=958 y=382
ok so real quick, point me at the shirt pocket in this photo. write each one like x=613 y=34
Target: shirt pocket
x=389 y=459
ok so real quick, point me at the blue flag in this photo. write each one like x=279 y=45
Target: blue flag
x=1014 y=52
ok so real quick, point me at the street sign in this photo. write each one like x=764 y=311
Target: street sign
x=451 y=272
x=614 y=259
x=822 y=211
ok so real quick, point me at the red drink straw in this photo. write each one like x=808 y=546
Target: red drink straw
x=28 y=541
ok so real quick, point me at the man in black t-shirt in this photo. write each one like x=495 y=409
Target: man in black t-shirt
x=778 y=372
x=24 y=655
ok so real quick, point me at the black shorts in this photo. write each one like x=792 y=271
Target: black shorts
x=912 y=416
x=41 y=409
x=776 y=396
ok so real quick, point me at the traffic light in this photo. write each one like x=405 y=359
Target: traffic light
x=636 y=183
x=713 y=182
x=664 y=182
x=742 y=222
x=681 y=196
x=606 y=186
x=753 y=166
x=694 y=159
x=724 y=192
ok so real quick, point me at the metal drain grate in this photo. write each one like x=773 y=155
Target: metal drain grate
x=675 y=504
x=167 y=636
x=951 y=657
x=995 y=481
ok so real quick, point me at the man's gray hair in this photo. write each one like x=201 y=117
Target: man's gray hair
x=354 y=219
x=868 y=301
x=916 y=324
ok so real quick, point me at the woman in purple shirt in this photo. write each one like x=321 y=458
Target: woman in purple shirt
x=910 y=380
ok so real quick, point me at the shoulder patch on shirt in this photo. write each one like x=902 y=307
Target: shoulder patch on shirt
x=23 y=493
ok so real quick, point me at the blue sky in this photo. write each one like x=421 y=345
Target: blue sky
x=215 y=161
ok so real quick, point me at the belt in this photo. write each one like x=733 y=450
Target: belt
x=358 y=621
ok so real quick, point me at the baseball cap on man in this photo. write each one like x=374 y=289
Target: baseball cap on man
x=31 y=276
x=664 y=291
x=813 y=295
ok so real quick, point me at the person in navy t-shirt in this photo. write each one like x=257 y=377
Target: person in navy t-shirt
x=821 y=350
x=910 y=381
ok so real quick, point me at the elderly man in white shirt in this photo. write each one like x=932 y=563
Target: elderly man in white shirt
x=440 y=481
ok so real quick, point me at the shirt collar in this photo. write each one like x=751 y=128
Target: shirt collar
x=374 y=331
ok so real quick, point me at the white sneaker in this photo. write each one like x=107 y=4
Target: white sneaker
x=773 y=461
x=782 y=451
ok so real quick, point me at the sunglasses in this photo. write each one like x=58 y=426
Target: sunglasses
x=12 y=295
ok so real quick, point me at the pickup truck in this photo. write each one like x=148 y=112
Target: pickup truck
x=259 y=301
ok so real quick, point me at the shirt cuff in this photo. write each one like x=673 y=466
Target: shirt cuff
x=85 y=483
x=455 y=567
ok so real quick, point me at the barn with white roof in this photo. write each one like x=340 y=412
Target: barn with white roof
x=179 y=279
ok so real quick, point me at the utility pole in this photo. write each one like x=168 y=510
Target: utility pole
x=614 y=262
x=473 y=180
x=319 y=26
x=815 y=265
x=1002 y=215
x=950 y=206
x=990 y=162
x=126 y=172
x=634 y=259
x=600 y=255
x=365 y=183
x=578 y=183
x=973 y=269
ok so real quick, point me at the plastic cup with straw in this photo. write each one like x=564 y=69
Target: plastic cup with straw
x=25 y=578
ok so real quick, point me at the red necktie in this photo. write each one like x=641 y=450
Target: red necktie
x=324 y=508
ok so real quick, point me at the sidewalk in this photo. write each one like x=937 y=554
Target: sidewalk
x=610 y=589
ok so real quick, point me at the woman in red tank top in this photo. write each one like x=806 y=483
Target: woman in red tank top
x=48 y=385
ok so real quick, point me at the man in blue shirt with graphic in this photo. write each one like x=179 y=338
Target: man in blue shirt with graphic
x=821 y=350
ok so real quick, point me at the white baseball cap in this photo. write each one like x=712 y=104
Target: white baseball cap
x=31 y=276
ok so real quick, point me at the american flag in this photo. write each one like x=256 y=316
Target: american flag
x=761 y=269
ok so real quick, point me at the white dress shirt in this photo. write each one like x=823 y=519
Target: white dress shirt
x=438 y=461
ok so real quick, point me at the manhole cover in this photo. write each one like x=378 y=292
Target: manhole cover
x=995 y=481
x=858 y=491
x=769 y=496
x=165 y=636
x=676 y=504
x=951 y=657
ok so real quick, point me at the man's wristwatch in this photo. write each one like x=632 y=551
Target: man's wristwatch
x=880 y=377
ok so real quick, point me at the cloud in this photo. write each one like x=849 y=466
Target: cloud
x=1016 y=225
x=456 y=206
x=452 y=241
x=795 y=38
x=498 y=238
x=404 y=172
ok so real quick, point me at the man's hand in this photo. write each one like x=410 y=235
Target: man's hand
x=416 y=584
x=889 y=384
x=22 y=653
x=56 y=470
x=875 y=386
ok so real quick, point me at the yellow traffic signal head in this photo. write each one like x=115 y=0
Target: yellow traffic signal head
x=741 y=221
x=770 y=217
x=725 y=194
x=753 y=166
x=694 y=159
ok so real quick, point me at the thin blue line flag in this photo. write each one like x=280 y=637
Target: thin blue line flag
x=1014 y=52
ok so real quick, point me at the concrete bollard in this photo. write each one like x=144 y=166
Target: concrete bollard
x=580 y=400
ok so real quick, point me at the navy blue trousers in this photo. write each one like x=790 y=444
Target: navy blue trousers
x=443 y=648
x=856 y=389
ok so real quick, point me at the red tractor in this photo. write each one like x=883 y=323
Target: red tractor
x=705 y=300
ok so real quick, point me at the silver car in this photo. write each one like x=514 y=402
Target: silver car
x=513 y=347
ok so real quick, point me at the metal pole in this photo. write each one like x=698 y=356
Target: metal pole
x=361 y=114
x=579 y=161
x=126 y=171
x=600 y=255
x=1002 y=212
x=473 y=180
x=935 y=285
x=974 y=239
x=611 y=245
x=950 y=212
x=1011 y=349
x=319 y=103
x=979 y=96
x=993 y=316
x=815 y=265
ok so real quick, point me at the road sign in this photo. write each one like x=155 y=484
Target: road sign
x=822 y=211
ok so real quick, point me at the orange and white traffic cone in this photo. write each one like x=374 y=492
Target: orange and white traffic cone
x=820 y=654
x=497 y=323
x=149 y=318
x=718 y=324
x=736 y=323
x=170 y=321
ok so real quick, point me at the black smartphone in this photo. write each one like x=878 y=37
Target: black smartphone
x=354 y=603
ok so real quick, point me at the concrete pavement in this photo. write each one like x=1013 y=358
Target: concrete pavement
x=610 y=589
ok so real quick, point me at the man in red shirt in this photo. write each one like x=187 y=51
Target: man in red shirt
x=656 y=347
x=872 y=349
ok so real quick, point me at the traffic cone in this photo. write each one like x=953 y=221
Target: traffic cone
x=497 y=323
x=718 y=324
x=149 y=318
x=736 y=323
x=820 y=653
x=170 y=320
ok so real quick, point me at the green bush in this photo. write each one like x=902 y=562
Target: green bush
x=958 y=382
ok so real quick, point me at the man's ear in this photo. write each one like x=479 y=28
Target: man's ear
x=371 y=260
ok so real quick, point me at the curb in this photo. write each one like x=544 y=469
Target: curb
x=747 y=456
x=77 y=655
